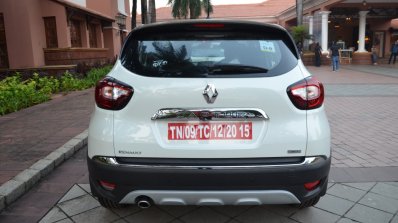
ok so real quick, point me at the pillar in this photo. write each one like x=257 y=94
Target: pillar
x=310 y=27
x=362 y=29
x=325 y=24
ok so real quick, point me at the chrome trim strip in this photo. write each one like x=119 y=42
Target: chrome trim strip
x=236 y=197
x=113 y=162
x=207 y=114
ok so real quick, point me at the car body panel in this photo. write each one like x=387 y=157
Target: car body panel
x=138 y=136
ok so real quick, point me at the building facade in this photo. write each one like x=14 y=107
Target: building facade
x=356 y=25
x=39 y=33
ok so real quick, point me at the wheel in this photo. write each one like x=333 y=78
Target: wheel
x=309 y=203
x=106 y=203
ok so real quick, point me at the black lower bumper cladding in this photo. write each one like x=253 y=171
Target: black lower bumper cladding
x=287 y=177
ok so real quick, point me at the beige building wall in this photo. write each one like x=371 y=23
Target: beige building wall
x=50 y=8
x=24 y=32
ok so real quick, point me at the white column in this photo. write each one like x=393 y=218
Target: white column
x=310 y=27
x=362 y=27
x=324 y=41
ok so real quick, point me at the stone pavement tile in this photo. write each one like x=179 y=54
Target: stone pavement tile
x=395 y=184
x=361 y=186
x=152 y=214
x=120 y=221
x=334 y=204
x=125 y=211
x=285 y=210
x=78 y=205
x=233 y=221
x=386 y=190
x=346 y=192
x=86 y=187
x=365 y=214
x=380 y=202
x=231 y=210
x=55 y=214
x=346 y=220
x=395 y=219
x=65 y=221
x=177 y=221
x=96 y=215
x=178 y=211
x=204 y=214
x=261 y=214
x=74 y=192
x=315 y=215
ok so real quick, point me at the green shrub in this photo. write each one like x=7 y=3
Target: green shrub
x=16 y=94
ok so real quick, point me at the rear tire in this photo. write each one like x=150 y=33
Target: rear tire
x=106 y=203
x=309 y=203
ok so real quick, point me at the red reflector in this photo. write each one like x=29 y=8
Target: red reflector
x=107 y=185
x=312 y=185
x=209 y=25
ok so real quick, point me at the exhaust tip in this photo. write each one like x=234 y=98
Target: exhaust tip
x=144 y=202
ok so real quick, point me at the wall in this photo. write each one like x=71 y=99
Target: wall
x=105 y=7
x=24 y=32
x=50 y=8
x=79 y=2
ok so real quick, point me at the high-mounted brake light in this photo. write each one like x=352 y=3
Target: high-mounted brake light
x=209 y=25
x=306 y=94
x=112 y=94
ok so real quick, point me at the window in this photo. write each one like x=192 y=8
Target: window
x=3 y=44
x=50 y=27
x=75 y=33
x=92 y=35
x=207 y=55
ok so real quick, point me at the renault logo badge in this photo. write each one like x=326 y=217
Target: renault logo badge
x=210 y=93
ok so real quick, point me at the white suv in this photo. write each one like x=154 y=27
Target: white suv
x=209 y=112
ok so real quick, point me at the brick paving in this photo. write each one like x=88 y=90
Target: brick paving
x=31 y=134
x=362 y=109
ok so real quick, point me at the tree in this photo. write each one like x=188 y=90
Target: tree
x=299 y=12
x=152 y=11
x=144 y=12
x=300 y=33
x=208 y=7
x=191 y=8
x=134 y=14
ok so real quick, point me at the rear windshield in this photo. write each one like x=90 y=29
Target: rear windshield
x=207 y=55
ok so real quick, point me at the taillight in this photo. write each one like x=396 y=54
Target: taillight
x=306 y=94
x=112 y=94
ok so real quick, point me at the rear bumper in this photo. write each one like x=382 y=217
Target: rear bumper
x=221 y=184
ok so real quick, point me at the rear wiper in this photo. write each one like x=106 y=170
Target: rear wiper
x=236 y=69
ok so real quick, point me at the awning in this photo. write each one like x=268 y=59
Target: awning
x=85 y=10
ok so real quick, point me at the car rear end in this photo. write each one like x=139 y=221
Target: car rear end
x=209 y=113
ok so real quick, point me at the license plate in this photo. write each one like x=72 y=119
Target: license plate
x=210 y=131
